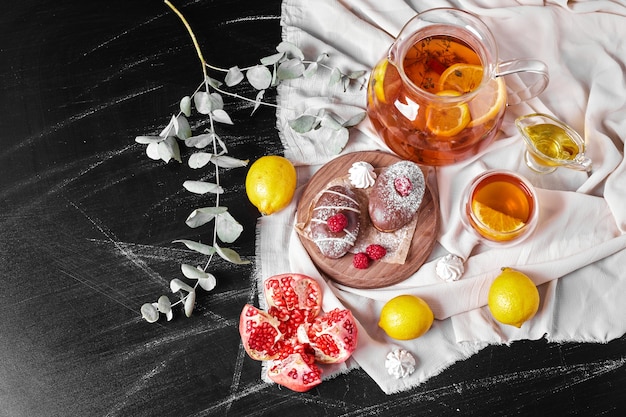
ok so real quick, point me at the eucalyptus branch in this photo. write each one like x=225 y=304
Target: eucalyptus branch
x=192 y=35
x=287 y=63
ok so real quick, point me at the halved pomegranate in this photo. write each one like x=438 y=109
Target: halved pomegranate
x=292 y=335
x=332 y=336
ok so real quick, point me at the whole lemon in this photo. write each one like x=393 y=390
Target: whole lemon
x=271 y=183
x=513 y=298
x=406 y=317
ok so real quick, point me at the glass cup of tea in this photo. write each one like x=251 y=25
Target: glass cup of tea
x=551 y=143
x=500 y=208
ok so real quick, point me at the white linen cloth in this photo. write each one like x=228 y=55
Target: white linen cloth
x=576 y=255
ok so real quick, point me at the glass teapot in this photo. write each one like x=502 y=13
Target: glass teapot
x=439 y=95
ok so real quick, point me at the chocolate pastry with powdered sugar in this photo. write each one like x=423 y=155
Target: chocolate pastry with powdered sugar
x=396 y=196
x=335 y=221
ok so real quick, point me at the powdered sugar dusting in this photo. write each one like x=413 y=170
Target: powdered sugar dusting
x=388 y=208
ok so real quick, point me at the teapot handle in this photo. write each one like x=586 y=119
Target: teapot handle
x=526 y=78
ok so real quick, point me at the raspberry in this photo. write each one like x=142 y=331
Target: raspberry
x=375 y=252
x=403 y=186
x=361 y=261
x=337 y=223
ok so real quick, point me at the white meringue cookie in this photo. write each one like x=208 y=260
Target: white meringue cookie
x=362 y=174
x=400 y=363
x=450 y=268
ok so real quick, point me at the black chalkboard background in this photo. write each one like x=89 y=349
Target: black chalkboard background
x=87 y=223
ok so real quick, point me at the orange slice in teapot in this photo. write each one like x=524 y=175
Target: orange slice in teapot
x=489 y=102
x=461 y=77
x=447 y=120
x=465 y=78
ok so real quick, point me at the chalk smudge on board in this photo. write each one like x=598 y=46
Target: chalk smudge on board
x=78 y=116
x=241 y=353
x=99 y=290
x=565 y=376
x=124 y=251
x=233 y=397
x=135 y=388
x=246 y=19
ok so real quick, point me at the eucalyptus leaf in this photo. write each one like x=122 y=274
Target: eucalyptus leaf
x=190 y=302
x=335 y=77
x=217 y=102
x=355 y=120
x=272 y=59
x=338 y=140
x=310 y=70
x=290 y=69
x=199 y=159
x=330 y=122
x=149 y=313
x=221 y=116
x=213 y=82
x=202 y=187
x=183 y=130
x=207 y=283
x=303 y=124
x=230 y=256
x=258 y=100
x=192 y=272
x=222 y=144
x=291 y=49
x=185 y=106
x=197 y=246
x=146 y=140
x=168 y=149
x=228 y=229
x=225 y=161
x=202 y=216
x=356 y=74
x=202 y=102
x=346 y=83
x=164 y=305
x=321 y=57
x=234 y=76
x=259 y=77
x=200 y=141
x=172 y=143
x=152 y=150
x=178 y=285
x=169 y=130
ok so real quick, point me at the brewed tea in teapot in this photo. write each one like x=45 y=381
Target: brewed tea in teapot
x=439 y=95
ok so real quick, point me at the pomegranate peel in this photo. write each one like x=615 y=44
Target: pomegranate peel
x=296 y=372
x=292 y=334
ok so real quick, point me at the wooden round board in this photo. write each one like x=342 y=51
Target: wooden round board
x=379 y=274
